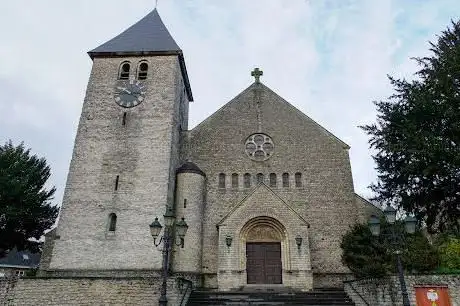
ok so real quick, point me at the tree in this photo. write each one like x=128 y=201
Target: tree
x=374 y=256
x=25 y=208
x=449 y=248
x=364 y=254
x=417 y=139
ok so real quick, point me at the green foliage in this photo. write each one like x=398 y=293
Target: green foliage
x=417 y=139
x=370 y=256
x=450 y=254
x=25 y=208
x=364 y=254
x=420 y=255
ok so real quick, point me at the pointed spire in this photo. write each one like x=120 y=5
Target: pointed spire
x=149 y=35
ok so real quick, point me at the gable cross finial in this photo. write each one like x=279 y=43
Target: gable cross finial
x=257 y=73
x=156 y=3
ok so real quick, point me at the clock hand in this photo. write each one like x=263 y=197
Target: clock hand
x=124 y=89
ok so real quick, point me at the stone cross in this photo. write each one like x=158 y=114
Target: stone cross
x=257 y=74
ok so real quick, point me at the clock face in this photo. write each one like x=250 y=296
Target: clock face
x=129 y=93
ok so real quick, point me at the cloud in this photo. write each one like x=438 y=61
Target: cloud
x=329 y=58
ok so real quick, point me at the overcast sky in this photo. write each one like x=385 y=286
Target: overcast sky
x=329 y=58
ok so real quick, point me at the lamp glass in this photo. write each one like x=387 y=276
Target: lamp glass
x=298 y=241
x=374 y=225
x=181 y=228
x=155 y=228
x=169 y=218
x=390 y=214
x=410 y=224
x=228 y=241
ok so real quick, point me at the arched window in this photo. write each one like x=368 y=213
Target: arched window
x=112 y=222
x=272 y=179
x=222 y=180
x=298 y=179
x=285 y=179
x=123 y=74
x=247 y=180
x=235 y=180
x=142 y=71
x=260 y=178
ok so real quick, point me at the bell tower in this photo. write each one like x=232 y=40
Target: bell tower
x=126 y=152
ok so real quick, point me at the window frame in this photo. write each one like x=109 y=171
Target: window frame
x=298 y=180
x=112 y=226
x=260 y=178
x=138 y=72
x=285 y=180
x=235 y=180
x=272 y=179
x=121 y=71
x=247 y=180
x=222 y=180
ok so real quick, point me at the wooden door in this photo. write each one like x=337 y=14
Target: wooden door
x=263 y=262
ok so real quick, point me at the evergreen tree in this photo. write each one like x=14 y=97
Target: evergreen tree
x=364 y=254
x=374 y=256
x=25 y=208
x=417 y=139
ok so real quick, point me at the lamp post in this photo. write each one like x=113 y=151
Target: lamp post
x=410 y=225
x=168 y=241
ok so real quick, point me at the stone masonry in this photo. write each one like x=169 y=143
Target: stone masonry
x=86 y=291
x=144 y=154
x=256 y=171
x=325 y=197
x=387 y=292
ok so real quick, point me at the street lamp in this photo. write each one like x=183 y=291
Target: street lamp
x=410 y=224
x=168 y=241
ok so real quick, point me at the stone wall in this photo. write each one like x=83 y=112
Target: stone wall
x=387 y=292
x=217 y=146
x=139 y=152
x=86 y=291
x=263 y=216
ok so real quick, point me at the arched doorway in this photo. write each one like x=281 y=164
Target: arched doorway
x=264 y=241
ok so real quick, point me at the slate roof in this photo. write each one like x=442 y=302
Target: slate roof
x=17 y=258
x=149 y=36
x=189 y=167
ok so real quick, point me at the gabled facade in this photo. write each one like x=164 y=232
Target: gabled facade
x=267 y=193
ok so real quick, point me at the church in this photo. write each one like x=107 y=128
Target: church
x=264 y=192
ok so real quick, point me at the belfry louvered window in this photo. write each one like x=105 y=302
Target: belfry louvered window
x=124 y=71
x=142 y=71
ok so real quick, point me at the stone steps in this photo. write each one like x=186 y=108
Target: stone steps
x=329 y=297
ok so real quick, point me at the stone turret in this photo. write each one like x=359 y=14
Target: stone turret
x=190 y=190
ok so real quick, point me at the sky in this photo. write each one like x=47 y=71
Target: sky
x=329 y=58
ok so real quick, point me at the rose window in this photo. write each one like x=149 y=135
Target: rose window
x=259 y=147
